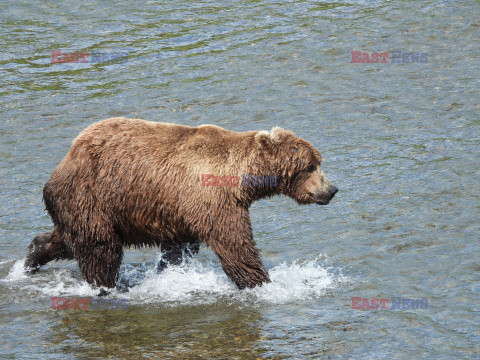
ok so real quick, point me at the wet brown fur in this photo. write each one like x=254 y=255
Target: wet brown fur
x=133 y=182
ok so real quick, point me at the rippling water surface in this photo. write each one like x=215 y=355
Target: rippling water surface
x=400 y=140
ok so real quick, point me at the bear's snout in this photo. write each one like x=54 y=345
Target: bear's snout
x=333 y=190
x=324 y=197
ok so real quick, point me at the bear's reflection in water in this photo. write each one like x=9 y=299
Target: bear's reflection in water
x=163 y=333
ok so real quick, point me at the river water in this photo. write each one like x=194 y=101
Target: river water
x=400 y=140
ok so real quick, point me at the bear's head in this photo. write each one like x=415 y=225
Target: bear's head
x=297 y=164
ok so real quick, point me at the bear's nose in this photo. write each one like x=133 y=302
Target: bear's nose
x=333 y=190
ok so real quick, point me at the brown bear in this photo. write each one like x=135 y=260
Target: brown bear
x=134 y=182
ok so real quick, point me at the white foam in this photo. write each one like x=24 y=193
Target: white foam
x=189 y=282
x=297 y=281
x=192 y=282
x=17 y=272
x=60 y=282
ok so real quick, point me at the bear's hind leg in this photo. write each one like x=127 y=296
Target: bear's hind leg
x=99 y=264
x=44 y=248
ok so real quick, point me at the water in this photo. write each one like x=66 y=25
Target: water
x=400 y=141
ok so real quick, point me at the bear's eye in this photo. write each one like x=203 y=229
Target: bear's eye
x=311 y=168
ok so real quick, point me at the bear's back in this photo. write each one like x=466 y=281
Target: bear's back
x=138 y=130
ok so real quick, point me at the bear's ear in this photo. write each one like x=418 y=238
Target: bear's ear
x=263 y=139
x=276 y=136
x=279 y=135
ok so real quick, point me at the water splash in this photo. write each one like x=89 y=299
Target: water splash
x=192 y=282
x=17 y=272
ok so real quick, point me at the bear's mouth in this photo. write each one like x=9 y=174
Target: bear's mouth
x=319 y=200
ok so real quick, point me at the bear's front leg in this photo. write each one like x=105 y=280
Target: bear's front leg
x=244 y=268
x=238 y=253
